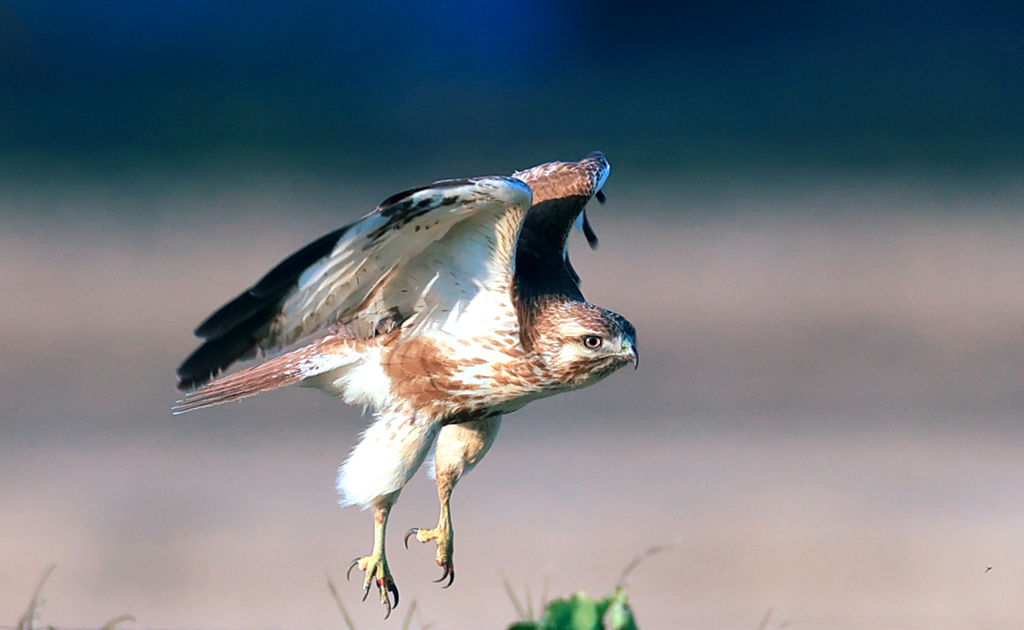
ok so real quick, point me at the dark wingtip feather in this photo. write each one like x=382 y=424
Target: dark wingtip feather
x=236 y=329
x=226 y=317
x=218 y=353
x=589 y=232
x=209 y=360
x=270 y=288
x=600 y=197
x=572 y=271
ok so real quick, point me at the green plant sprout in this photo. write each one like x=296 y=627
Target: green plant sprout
x=580 y=611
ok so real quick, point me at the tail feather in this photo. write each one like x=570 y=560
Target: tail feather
x=289 y=368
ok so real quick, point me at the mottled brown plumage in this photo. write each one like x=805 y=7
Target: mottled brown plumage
x=447 y=307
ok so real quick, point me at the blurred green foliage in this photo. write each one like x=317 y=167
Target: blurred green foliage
x=581 y=612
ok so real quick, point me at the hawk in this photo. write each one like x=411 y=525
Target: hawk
x=442 y=310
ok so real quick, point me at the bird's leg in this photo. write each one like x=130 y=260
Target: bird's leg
x=387 y=456
x=460 y=447
x=443 y=533
x=375 y=565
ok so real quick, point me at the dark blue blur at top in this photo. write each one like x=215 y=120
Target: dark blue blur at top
x=128 y=40
x=800 y=83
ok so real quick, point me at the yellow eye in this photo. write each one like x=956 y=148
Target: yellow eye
x=592 y=342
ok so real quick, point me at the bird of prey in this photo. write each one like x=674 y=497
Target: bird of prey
x=442 y=310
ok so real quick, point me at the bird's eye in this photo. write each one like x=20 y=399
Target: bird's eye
x=592 y=342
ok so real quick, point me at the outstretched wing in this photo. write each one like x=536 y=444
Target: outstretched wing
x=375 y=274
x=561 y=191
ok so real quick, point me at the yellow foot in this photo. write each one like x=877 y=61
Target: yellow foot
x=376 y=569
x=445 y=549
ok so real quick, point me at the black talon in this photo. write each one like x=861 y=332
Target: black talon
x=394 y=591
x=348 y=574
x=410 y=533
x=449 y=573
x=391 y=588
x=366 y=591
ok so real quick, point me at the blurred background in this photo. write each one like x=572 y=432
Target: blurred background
x=813 y=219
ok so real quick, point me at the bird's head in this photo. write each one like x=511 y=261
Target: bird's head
x=581 y=343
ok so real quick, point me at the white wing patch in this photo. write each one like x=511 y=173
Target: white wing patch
x=391 y=259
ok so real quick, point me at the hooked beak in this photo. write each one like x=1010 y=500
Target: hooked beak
x=630 y=351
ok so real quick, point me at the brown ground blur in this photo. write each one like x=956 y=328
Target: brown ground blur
x=826 y=418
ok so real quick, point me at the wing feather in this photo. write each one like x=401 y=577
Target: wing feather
x=317 y=358
x=269 y=289
x=561 y=191
x=372 y=271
